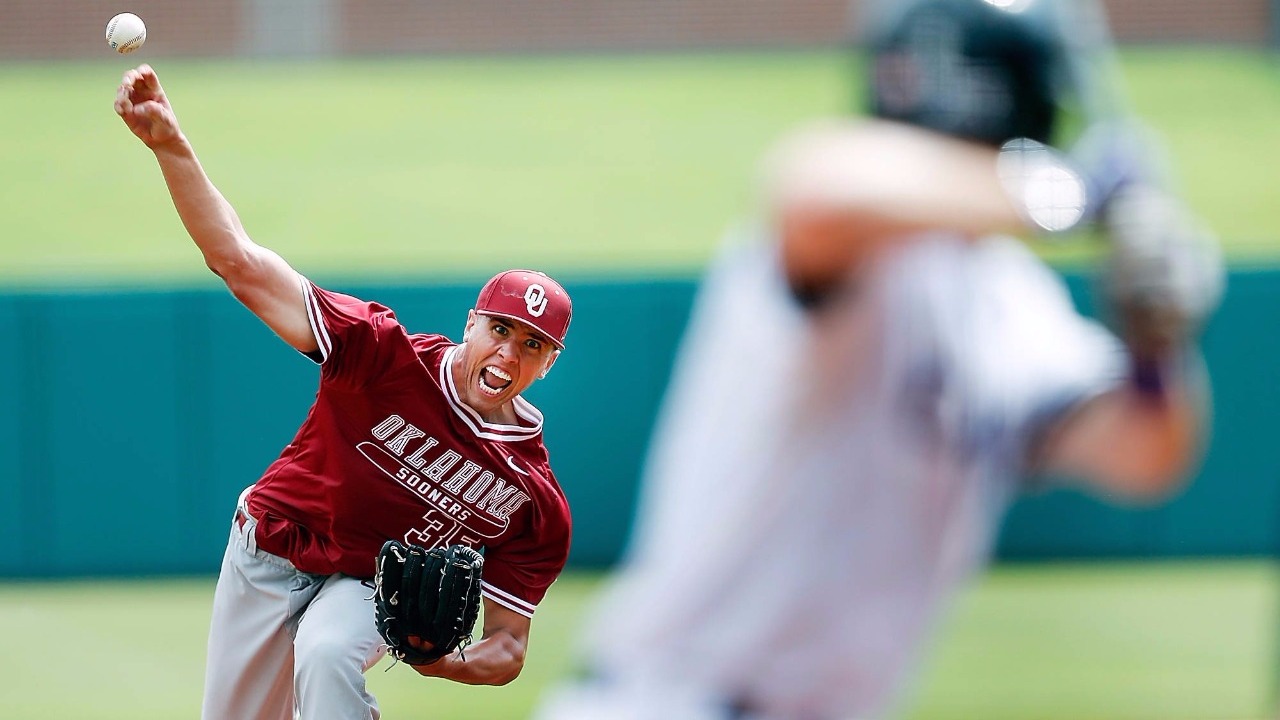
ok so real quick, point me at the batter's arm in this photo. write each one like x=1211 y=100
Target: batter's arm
x=258 y=277
x=496 y=659
x=1130 y=444
x=840 y=192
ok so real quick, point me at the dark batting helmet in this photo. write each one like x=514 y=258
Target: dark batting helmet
x=982 y=70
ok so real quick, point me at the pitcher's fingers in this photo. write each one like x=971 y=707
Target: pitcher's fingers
x=123 y=103
x=148 y=77
x=149 y=110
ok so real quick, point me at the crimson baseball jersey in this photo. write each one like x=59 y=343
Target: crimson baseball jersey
x=390 y=451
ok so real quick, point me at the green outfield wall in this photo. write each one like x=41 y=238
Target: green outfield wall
x=129 y=422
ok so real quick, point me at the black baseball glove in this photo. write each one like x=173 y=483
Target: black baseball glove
x=433 y=595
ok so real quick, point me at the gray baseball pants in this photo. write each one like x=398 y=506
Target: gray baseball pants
x=284 y=644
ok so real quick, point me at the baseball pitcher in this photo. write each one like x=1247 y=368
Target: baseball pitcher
x=417 y=488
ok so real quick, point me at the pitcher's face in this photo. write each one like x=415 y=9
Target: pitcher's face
x=500 y=359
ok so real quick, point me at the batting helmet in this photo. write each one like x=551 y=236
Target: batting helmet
x=982 y=70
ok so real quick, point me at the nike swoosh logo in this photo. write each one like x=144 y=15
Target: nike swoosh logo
x=510 y=461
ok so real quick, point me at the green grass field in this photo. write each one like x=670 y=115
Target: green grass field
x=418 y=168
x=1095 y=642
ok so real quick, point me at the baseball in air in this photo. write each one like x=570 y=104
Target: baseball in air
x=126 y=33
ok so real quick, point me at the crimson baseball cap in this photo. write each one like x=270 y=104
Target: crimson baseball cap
x=532 y=298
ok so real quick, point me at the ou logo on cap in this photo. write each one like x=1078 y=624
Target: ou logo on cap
x=535 y=300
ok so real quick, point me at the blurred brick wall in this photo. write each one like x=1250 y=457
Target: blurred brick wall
x=50 y=29
x=44 y=29
x=396 y=25
x=467 y=25
x=1247 y=21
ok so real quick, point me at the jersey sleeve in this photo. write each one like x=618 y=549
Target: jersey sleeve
x=1058 y=360
x=518 y=573
x=994 y=332
x=355 y=337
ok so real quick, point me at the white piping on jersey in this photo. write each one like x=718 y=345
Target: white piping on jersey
x=507 y=600
x=316 y=319
x=482 y=429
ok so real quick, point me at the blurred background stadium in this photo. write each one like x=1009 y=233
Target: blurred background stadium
x=406 y=150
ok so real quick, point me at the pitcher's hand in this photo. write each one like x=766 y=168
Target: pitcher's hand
x=141 y=103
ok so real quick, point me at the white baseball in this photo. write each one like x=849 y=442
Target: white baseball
x=126 y=33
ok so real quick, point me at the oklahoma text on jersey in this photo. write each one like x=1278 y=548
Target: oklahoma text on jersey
x=473 y=502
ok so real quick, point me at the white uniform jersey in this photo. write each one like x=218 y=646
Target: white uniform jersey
x=821 y=481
